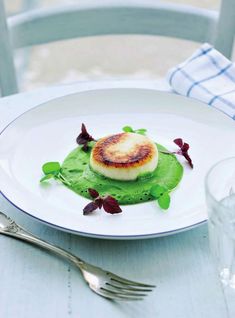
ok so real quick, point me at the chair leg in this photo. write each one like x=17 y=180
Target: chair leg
x=8 y=82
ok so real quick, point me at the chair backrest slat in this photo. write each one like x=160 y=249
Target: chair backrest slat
x=111 y=17
x=43 y=26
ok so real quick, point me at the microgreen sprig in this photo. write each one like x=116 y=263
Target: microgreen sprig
x=183 y=151
x=141 y=131
x=162 y=196
x=85 y=139
x=109 y=204
x=52 y=170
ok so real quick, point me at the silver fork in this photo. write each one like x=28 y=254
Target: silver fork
x=100 y=281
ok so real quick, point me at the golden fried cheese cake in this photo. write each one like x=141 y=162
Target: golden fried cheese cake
x=124 y=156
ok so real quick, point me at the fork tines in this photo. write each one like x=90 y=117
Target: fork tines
x=119 y=288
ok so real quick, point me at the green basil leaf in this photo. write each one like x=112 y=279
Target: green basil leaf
x=164 y=201
x=157 y=190
x=128 y=129
x=141 y=131
x=47 y=177
x=51 y=167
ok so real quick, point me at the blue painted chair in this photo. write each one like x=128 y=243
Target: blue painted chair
x=111 y=17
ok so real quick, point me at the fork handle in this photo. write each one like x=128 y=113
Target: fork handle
x=16 y=231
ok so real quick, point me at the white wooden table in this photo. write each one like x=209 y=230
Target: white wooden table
x=36 y=284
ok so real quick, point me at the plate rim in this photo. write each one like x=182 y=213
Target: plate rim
x=108 y=236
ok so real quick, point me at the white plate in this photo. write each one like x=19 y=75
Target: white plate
x=48 y=133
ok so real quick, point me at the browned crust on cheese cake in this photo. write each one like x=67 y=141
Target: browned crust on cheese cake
x=105 y=152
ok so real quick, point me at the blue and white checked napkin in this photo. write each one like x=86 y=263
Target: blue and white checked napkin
x=207 y=76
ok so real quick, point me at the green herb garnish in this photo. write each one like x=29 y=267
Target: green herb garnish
x=140 y=131
x=52 y=170
x=162 y=196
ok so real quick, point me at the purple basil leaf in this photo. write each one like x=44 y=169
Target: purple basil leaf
x=89 y=208
x=186 y=156
x=179 y=142
x=185 y=147
x=83 y=129
x=99 y=202
x=111 y=205
x=93 y=193
x=84 y=137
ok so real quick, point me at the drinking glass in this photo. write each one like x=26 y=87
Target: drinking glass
x=220 y=197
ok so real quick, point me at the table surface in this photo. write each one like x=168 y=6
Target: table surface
x=35 y=283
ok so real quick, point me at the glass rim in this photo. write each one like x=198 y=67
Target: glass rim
x=208 y=192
